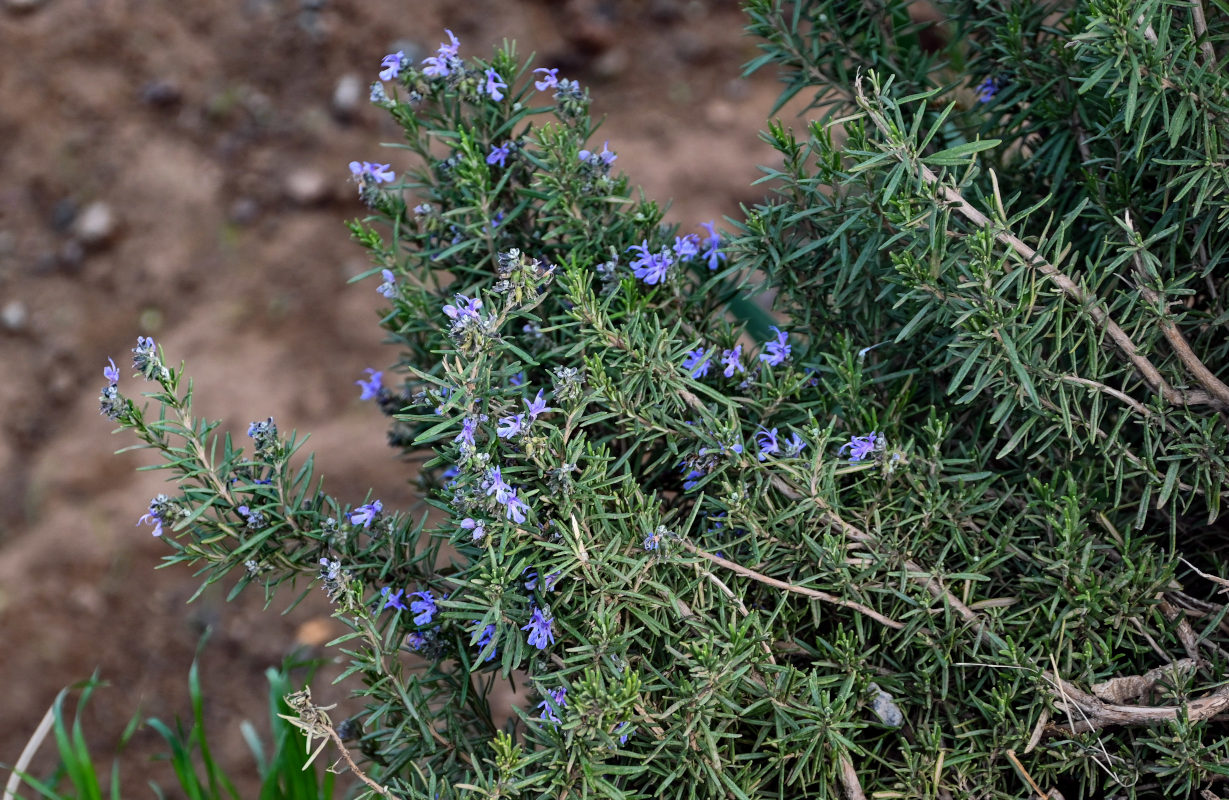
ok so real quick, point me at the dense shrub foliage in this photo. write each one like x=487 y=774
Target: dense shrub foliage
x=906 y=485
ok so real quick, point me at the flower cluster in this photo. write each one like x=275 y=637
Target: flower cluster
x=161 y=511
x=520 y=278
x=264 y=439
x=364 y=515
x=554 y=702
x=860 y=447
x=471 y=329
x=767 y=440
x=541 y=630
x=493 y=485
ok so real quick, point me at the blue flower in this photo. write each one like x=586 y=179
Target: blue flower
x=468 y=426
x=376 y=172
x=622 y=726
x=392 y=599
x=515 y=508
x=860 y=446
x=767 y=440
x=255 y=519
x=487 y=634
x=510 y=426
x=652 y=541
x=517 y=379
x=158 y=508
x=388 y=289
x=776 y=352
x=494 y=85
x=145 y=357
x=602 y=159
x=423 y=608
x=371 y=387
x=650 y=267
x=686 y=247
x=495 y=485
x=499 y=155
x=550 y=79
x=538 y=406
x=476 y=527
x=540 y=632
x=794 y=445
x=532 y=583
x=556 y=700
x=365 y=515
x=444 y=60
x=392 y=65
x=713 y=254
x=698 y=362
x=465 y=309
x=551 y=580
x=731 y=359
x=111 y=373
x=987 y=89
x=691 y=477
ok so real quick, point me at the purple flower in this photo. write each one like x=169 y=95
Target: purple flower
x=377 y=173
x=713 y=254
x=111 y=373
x=255 y=519
x=499 y=155
x=538 y=406
x=604 y=158
x=540 y=631
x=532 y=583
x=494 y=85
x=622 y=726
x=860 y=446
x=371 y=387
x=550 y=79
x=767 y=440
x=488 y=633
x=987 y=89
x=477 y=527
x=392 y=599
x=465 y=308
x=731 y=360
x=494 y=485
x=556 y=700
x=776 y=352
x=517 y=379
x=691 y=477
x=423 y=608
x=510 y=426
x=145 y=357
x=794 y=445
x=365 y=515
x=551 y=580
x=442 y=63
x=468 y=426
x=415 y=641
x=650 y=267
x=392 y=65
x=686 y=247
x=698 y=363
x=516 y=508
x=389 y=288
x=157 y=509
x=652 y=541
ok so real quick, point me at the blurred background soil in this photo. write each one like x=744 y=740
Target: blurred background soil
x=179 y=170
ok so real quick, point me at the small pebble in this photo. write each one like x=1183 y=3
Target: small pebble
x=95 y=225
x=14 y=316
x=347 y=97
x=307 y=187
x=161 y=94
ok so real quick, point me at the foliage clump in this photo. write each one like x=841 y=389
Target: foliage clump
x=908 y=485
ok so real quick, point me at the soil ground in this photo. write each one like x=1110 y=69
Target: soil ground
x=179 y=170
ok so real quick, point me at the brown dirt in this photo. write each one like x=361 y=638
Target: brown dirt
x=190 y=121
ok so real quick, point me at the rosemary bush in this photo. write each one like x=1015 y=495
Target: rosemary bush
x=908 y=484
